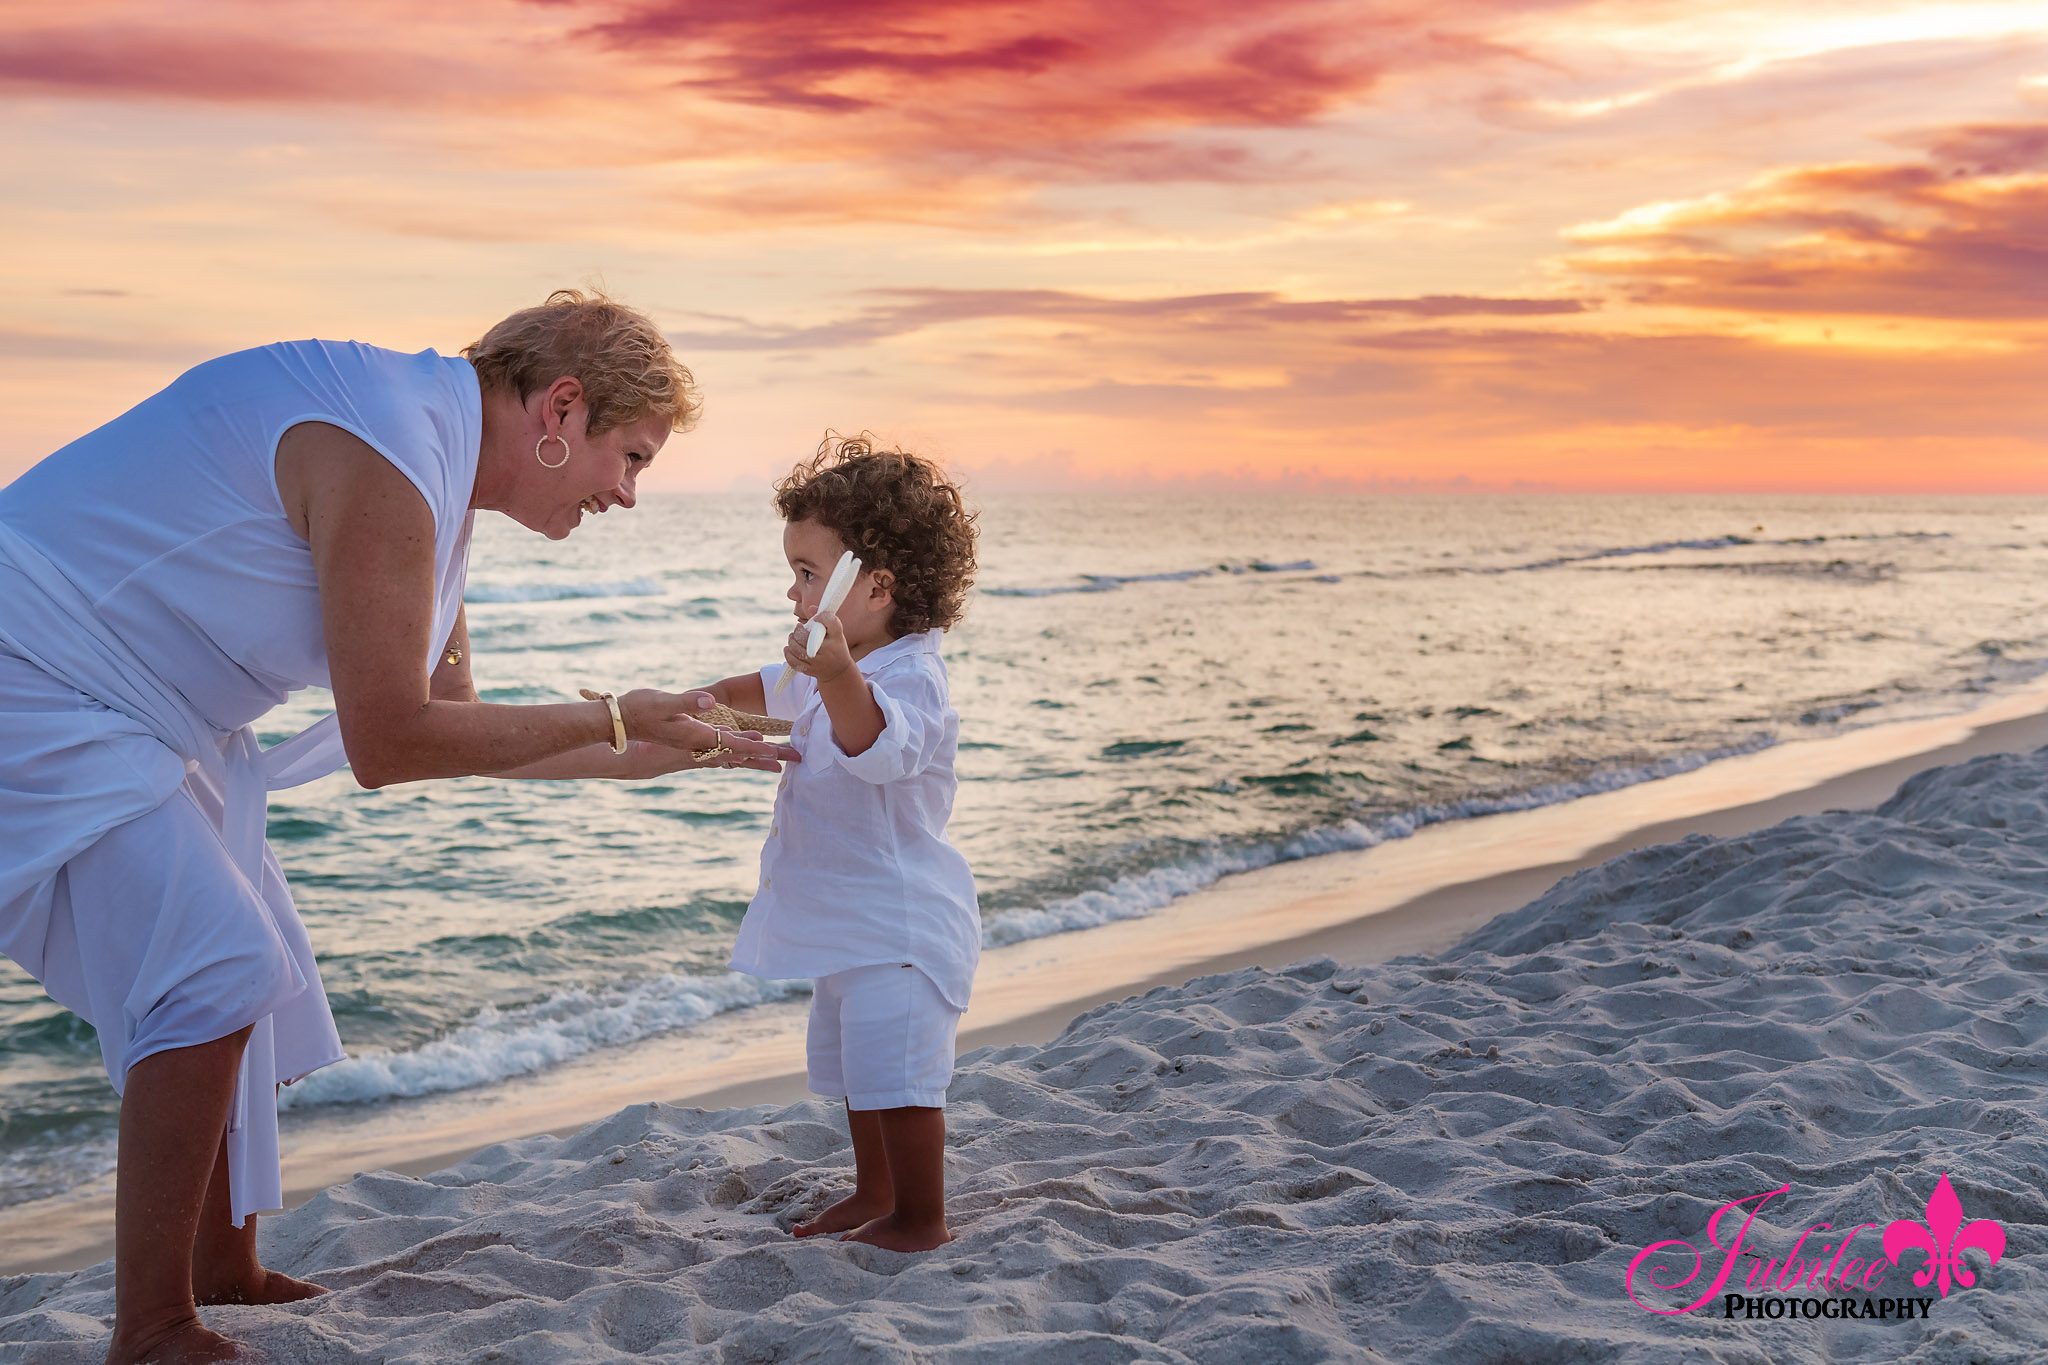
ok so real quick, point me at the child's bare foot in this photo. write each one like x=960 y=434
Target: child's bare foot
x=849 y=1213
x=893 y=1232
x=188 y=1343
x=263 y=1286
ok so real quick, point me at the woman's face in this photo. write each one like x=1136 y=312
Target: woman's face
x=612 y=464
x=598 y=474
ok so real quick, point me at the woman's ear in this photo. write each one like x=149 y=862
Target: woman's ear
x=560 y=401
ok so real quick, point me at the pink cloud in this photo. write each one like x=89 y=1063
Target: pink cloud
x=1060 y=63
x=228 y=67
x=1988 y=148
x=1071 y=89
x=919 y=93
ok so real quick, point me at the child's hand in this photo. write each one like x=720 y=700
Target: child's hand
x=833 y=656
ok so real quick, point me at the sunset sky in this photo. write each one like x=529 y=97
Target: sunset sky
x=1328 y=243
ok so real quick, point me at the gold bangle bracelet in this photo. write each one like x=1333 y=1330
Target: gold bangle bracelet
x=618 y=720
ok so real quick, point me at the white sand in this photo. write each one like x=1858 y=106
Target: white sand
x=1416 y=895
x=1445 y=1159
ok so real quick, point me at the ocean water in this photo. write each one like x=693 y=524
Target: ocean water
x=1154 y=692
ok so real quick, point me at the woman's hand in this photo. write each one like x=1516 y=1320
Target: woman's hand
x=833 y=657
x=646 y=758
x=643 y=759
x=666 y=723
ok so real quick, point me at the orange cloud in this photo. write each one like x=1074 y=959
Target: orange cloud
x=902 y=311
x=1127 y=231
x=1573 y=410
x=1500 y=389
x=1961 y=234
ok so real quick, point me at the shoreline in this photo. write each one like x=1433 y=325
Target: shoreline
x=1421 y=894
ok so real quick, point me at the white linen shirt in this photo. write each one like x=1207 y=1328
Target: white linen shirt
x=856 y=871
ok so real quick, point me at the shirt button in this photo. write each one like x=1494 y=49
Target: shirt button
x=773 y=829
x=764 y=883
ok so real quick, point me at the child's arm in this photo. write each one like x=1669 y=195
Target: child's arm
x=857 y=721
x=743 y=693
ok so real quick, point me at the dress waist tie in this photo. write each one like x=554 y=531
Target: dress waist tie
x=50 y=622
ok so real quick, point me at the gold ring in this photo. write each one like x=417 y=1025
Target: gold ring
x=706 y=755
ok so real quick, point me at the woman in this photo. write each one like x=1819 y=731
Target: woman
x=284 y=517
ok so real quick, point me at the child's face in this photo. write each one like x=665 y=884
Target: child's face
x=812 y=550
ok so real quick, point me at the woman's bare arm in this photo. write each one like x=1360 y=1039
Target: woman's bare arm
x=640 y=760
x=372 y=538
x=451 y=680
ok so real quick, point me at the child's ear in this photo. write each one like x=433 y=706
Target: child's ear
x=882 y=587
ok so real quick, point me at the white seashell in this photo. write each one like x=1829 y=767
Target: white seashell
x=836 y=588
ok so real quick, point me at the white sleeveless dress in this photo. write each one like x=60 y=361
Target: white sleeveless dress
x=154 y=601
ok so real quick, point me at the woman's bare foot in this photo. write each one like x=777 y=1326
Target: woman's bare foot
x=844 y=1216
x=173 y=1151
x=265 y=1286
x=182 y=1343
x=895 y=1233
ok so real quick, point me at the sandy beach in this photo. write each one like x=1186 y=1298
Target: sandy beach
x=1437 y=670
x=1391 y=1116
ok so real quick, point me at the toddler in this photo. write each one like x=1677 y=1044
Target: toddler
x=859 y=888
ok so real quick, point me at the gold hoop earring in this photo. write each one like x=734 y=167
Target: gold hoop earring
x=558 y=463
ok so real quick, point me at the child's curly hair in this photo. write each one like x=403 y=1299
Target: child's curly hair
x=896 y=511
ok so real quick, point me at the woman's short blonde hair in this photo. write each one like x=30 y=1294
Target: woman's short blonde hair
x=623 y=361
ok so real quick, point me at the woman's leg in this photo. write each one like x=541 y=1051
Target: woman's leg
x=224 y=1264
x=174 y=1110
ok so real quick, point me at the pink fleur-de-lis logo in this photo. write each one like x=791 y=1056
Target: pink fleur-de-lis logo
x=1939 y=1238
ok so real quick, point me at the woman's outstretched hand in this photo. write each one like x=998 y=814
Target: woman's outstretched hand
x=664 y=735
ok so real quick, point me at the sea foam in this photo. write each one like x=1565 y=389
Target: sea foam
x=1145 y=893
x=498 y=1044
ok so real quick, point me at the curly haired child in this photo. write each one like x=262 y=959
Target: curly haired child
x=859 y=889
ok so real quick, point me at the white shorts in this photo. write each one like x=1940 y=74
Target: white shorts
x=882 y=1037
